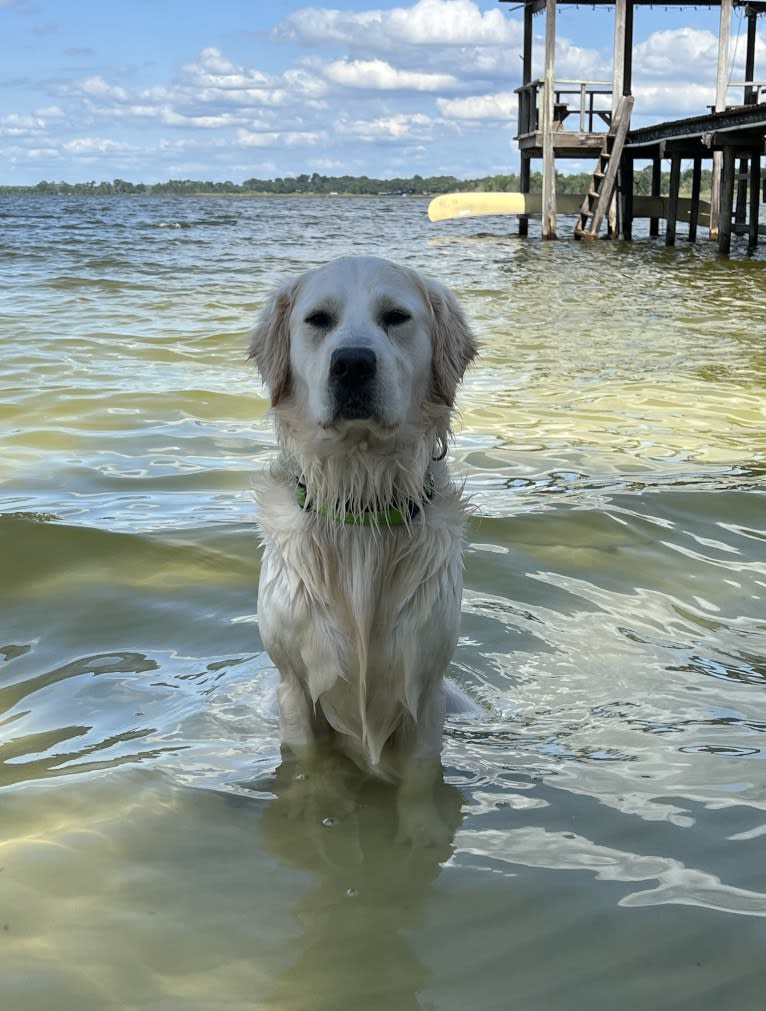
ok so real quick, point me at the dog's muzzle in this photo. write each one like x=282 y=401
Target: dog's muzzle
x=353 y=372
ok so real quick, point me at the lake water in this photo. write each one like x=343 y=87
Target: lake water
x=609 y=808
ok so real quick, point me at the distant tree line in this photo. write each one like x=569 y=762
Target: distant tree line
x=319 y=185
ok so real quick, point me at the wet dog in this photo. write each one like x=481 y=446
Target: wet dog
x=361 y=578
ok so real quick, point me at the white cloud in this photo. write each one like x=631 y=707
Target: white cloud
x=315 y=27
x=213 y=79
x=274 y=138
x=173 y=118
x=427 y=23
x=213 y=70
x=40 y=153
x=577 y=63
x=669 y=101
x=377 y=75
x=400 y=127
x=448 y=22
x=210 y=93
x=15 y=125
x=501 y=106
x=183 y=144
x=331 y=165
x=97 y=87
x=94 y=145
x=305 y=85
x=687 y=52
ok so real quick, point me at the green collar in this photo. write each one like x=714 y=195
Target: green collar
x=394 y=517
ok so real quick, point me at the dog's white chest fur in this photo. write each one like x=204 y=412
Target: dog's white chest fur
x=364 y=619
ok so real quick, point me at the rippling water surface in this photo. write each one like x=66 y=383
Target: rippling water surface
x=609 y=807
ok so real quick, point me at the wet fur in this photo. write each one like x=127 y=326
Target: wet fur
x=362 y=621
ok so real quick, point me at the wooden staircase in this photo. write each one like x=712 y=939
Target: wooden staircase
x=601 y=189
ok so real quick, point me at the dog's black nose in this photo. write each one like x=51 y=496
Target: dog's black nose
x=352 y=365
x=352 y=382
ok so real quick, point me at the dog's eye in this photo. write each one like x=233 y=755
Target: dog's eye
x=394 y=317
x=320 y=319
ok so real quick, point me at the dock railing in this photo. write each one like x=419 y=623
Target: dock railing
x=588 y=102
x=753 y=91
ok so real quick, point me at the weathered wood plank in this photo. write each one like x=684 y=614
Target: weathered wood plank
x=675 y=184
x=727 y=200
x=696 y=186
x=755 y=196
x=547 y=99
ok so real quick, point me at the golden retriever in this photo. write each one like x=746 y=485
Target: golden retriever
x=361 y=577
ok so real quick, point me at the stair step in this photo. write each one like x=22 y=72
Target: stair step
x=599 y=195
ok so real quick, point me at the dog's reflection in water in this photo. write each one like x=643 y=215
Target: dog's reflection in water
x=371 y=891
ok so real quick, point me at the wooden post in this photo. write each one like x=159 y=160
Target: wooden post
x=614 y=218
x=750 y=91
x=715 y=195
x=755 y=196
x=727 y=199
x=654 y=223
x=626 y=181
x=696 y=187
x=527 y=96
x=526 y=52
x=526 y=77
x=740 y=212
x=675 y=185
x=546 y=99
x=724 y=31
x=627 y=74
x=524 y=178
x=618 y=90
x=722 y=72
x=618 y=68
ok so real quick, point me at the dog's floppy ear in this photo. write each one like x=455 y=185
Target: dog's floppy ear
x=270 y=342
x=454 y=345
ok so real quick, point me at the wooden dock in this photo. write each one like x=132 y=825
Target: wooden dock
x=736 y=135
x=560 y=119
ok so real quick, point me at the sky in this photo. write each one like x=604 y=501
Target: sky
x=152 y=90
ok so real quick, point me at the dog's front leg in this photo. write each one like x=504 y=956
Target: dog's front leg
x=301 y=744
x=319 y=788
x=420 y=822
x=299 y=725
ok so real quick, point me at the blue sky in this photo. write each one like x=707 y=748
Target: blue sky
x=157 y=89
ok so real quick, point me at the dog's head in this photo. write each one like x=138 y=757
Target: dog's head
x=362 y=343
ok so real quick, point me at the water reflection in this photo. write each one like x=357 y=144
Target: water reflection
x=370 y=891
x=38 y=740
x=671 y=881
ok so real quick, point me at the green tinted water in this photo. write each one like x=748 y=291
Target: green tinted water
x=609 y=809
